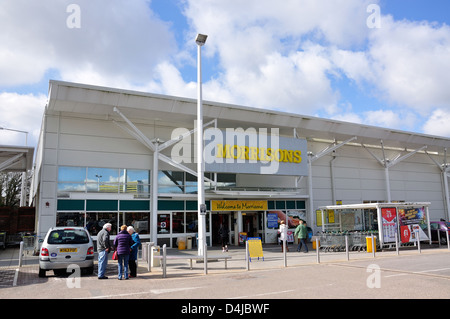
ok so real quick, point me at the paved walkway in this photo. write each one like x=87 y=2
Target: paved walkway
x=13 y=275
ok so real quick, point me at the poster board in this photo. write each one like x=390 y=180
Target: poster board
x=389 y=224
x=412 y=219
x=242 y=237
x=255 y=248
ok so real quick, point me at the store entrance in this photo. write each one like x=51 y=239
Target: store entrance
x=249 y=224
x=218 y=220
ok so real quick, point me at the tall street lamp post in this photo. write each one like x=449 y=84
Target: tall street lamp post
x=200 y=40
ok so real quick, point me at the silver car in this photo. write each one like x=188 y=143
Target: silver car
x=66 y=246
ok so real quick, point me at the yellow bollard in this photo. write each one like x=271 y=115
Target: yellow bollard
x=369 y=243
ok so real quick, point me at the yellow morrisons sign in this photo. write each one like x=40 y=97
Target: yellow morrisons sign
x=226 y=205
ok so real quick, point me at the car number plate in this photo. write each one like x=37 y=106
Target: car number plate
x=68 y=250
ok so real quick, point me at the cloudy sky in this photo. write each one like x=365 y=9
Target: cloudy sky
x=378 y=62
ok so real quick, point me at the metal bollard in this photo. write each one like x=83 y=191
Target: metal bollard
x=346 y=248
x=448 y=243
x=247 y=259
x=439 y=237
x=149 y=256
x=164 y=260
x=418 y=241
x=205 y=259
x=317 y=251
x=373 y=246
x=284 y=253
x=21 y=254
x=396 y=244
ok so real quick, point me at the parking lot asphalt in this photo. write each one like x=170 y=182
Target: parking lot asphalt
x=15 y=277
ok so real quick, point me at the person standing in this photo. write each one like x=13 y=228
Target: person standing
x=134 y=251
x=224 y=234
x=283 y=235
x=103 y=249
x=123 y=243
x=301 y=232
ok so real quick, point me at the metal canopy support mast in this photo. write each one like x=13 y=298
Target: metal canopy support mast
x=11 y=161
x=311 y=159
x=387 y=163
x=157 y=146
x=445 y=169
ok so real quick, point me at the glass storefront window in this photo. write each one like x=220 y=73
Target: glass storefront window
x=226 y=180
x=177 y=223
x=71 y=179
x=70 y=219
x=105 y=180
x=71 y=187
x=134 y=181
x=171 y=182
x=191 y=184
x=95 y=222
x=71 y=174
x=164 y=223
x=191 y=222
x=140 y=222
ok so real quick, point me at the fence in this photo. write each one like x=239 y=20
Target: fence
x=332 y=248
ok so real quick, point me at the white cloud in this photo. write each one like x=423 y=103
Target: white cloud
x=411 y=61
x=404 y=121
x=438 y=123
x=21 y=112
x=276 y=55
x=266 y=54
x=117 y=42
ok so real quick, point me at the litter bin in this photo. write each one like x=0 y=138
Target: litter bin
x=313 y=239
x=189 y=242
x=156 y=251
x=181 y=242
x=369 y=243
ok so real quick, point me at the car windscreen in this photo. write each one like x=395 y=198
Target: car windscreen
x=68 y=236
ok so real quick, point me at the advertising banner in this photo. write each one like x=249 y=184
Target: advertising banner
x=412 y=219
x=255 y=248
x=272 y=220
x=389 y=223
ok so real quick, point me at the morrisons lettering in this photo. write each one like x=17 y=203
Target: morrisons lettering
x=262 y=154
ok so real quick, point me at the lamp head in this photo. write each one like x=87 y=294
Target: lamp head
x=201 y=39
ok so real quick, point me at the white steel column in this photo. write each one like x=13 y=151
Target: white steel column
x=154 y=197
x=386 y=163
x=311 y=159
x=445 y=174
x=200 y=40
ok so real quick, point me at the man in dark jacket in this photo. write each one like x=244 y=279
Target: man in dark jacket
x=103 y=248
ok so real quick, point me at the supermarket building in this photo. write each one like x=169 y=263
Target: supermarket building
x=127 y=157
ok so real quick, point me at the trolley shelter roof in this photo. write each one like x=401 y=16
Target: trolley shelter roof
x=147 y=107
x=374 y=205
x=16 y=158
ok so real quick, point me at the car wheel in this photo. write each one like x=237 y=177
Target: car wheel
x=42 y=273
